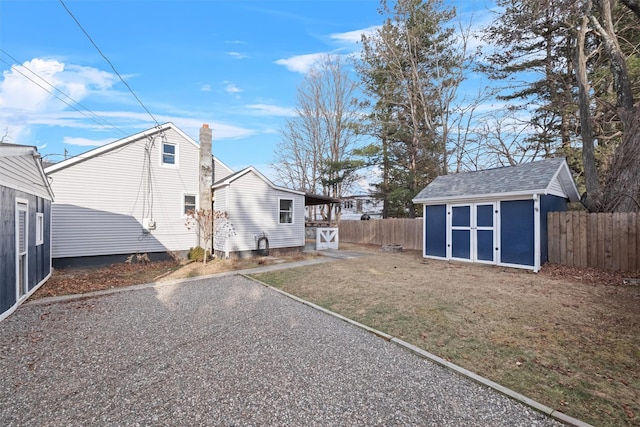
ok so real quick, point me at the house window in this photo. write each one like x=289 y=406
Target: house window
x=286 y=211
x=169 y=154
x=39 y=228
x=190 y=203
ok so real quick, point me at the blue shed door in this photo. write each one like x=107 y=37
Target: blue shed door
x=460 y=241
x=517 y=238
x=435 y=230
x=484 y=232
x=472 y=229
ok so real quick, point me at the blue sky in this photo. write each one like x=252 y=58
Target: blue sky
x=234 y=64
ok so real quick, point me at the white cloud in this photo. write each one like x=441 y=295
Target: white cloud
x=27 y=94
x=30 y=87
x=271 y=110
x=354 y=36
x=237 y=55
x=301 y=63
x=231 y=88
x=205 y=88
x=85 y=142
x=24 y=106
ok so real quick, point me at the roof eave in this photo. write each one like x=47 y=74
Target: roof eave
x=227 y=181
x=476 y=197
x=114 y=145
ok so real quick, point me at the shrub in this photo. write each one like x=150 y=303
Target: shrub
x=196 y=254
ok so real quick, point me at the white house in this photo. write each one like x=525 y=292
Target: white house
x=355 y=206
x=261 y=215
x=25 y=225
x=129 y=196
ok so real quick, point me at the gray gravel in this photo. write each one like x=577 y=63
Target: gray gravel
x=225 y=352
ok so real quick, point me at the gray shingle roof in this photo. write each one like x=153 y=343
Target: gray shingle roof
x=523 y=178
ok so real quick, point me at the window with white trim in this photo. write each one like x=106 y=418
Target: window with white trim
x=189 y=203
x=169 y=154
x=286 y=211
x=39 y=228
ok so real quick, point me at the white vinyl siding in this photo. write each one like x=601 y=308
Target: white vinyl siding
x=252 y=205
x=23 y=173
x=220 y=170
x=103 y=216
x=555 y=188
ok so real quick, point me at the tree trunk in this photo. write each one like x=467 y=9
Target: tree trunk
x=622 y=184
x=591 y=198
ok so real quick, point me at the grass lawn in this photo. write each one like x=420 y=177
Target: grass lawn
x=571 y=345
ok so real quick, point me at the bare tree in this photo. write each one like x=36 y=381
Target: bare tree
x=314 y=154
x=209 y=223
x=5 y=136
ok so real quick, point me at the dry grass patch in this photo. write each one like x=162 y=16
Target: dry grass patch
x=573 y=346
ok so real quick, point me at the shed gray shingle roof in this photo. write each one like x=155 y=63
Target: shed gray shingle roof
x=523 y=178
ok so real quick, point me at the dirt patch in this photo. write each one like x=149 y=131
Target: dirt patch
x=567 y=338
x=81 y=280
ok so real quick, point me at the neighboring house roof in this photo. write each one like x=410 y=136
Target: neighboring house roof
x=229 y=179
x=311 y=199
x=549 y=176
x=360 y=196
x=21 y=169
x=117 y=144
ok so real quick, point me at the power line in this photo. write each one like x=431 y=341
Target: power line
x=95 y=117
x=108 y=61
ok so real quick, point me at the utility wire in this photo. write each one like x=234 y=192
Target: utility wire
x=95 y=117
x=109 y=62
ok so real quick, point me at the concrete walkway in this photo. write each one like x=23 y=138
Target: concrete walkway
x=224 y=351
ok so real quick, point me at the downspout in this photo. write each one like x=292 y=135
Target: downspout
x=536 y=233
x=226 y=240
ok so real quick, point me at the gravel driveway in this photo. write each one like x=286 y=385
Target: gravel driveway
x=224 y=352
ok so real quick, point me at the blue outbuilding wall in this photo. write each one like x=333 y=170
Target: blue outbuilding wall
x=548 y=204
x=39 y=256
x=516 y=239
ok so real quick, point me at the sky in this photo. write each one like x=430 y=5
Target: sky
x=233 y=64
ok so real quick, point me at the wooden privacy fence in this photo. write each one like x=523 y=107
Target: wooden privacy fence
x=606 y=241
x=405 y=232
